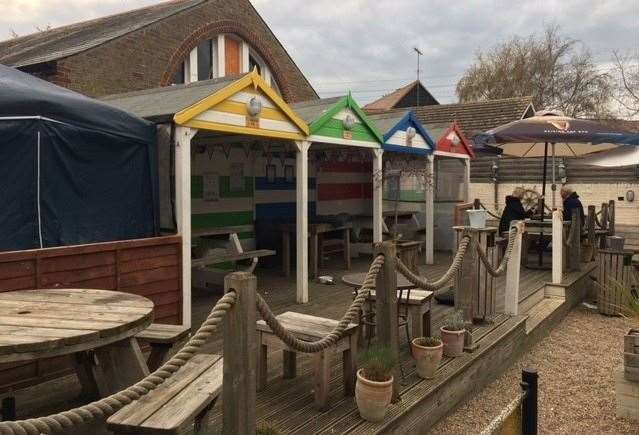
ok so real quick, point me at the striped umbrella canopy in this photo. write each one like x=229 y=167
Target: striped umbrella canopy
x=625 y=155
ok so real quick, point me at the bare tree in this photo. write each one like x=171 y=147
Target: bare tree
x=627 y=69
x=558 y=72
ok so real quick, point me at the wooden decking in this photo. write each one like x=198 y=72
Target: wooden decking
x=287 y=404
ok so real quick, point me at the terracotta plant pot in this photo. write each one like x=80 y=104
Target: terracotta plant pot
x=372 y=397
x=453 y=342
x=427 y=358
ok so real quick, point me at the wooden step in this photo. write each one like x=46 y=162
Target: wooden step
x=541 y=311
x=526 y=304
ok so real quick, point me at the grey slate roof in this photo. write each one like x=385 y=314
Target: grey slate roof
x=386 y=121
x=72 y=39
x=474 y=117
x=160 y=104
x=311 y=110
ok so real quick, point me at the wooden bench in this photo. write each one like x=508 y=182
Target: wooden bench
x=163 y=339
x=185 y=398
x=310 y=328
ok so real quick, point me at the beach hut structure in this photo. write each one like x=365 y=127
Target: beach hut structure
x=219 y=128
x=407 y=143
x=342 y=139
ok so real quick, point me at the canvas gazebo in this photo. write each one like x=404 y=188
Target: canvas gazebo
x=74 y=170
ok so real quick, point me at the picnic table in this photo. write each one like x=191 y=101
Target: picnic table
x=97 y=326
x=315 y=232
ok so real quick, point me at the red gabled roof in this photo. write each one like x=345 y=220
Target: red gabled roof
x=448 y=143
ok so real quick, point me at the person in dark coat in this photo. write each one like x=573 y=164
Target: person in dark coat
x=572 y=203
x=514 y=210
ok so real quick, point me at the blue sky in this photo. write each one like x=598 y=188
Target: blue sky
x=367 y=45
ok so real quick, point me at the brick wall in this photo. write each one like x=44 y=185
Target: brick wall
x=627 y=213
x=148 y=57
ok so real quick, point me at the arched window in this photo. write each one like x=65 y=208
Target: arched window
x=222 y=55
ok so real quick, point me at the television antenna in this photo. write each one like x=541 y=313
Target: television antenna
x=419 y=53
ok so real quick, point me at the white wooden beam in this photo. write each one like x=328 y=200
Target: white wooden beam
x=378 y=189
x=430 y=211
x=557 y=246
x=245 y=57
x=221 y=55
x=513 y=274
x=193 y=66
x=301 y=179
x=183 y=136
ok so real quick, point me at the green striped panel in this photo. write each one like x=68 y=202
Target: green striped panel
x=216 y=220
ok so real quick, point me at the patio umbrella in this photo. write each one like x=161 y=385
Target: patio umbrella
x=625 y=155
x=530 y=137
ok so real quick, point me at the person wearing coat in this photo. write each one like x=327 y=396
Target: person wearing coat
x=571 y=203
x=514 y=210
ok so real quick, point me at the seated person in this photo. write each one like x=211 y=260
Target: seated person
x=571 y=203
x=514 y=210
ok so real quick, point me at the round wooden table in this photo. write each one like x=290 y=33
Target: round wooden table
x=36 y=324
x=356 y=280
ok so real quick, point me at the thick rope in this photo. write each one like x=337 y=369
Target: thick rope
x=338 y=332
x=490 y=213
x=497 y=423
x=504 y=261
x=422 y=283
x=104 y=408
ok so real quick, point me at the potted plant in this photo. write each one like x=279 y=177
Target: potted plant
x=452 y=333
x=427 y=352
x=374 y=387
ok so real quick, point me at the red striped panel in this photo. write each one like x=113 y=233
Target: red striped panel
x=335 y=191
x=347 y=167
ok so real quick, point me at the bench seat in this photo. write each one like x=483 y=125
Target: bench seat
x=185 y=398
x=229 y=257
x=163 y=339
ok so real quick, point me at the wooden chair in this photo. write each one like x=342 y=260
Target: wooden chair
x=164 y=340
x=186 y=398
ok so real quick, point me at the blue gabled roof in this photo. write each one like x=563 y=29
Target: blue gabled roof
x=391 y=122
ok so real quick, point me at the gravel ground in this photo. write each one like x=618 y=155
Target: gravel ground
x=576 y=388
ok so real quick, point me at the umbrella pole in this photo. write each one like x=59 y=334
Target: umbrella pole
x=540 y=247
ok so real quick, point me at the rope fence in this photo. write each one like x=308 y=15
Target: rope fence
x=338 y=332
x=104 y=408
x=422 y=283
x=501 y=269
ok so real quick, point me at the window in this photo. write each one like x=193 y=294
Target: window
x=204 y=61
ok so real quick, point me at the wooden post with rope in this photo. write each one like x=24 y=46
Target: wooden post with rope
x=240 y=353
x=574 y=248
x=590 y=225
x=611 y=217
x=386 y=306
x=511 y=303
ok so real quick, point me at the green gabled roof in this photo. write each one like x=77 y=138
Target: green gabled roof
x=319 y=115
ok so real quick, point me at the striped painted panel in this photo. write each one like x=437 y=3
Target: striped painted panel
x=341 y=191
x=239 y=120
x=225 y=187
x=399 y=138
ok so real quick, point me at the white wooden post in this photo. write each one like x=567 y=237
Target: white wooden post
x=557 y=246
x=467 y=180
x=378 y=189
x=301 y=177
x=183 y=136
x=512 y=274
x=430 y=212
